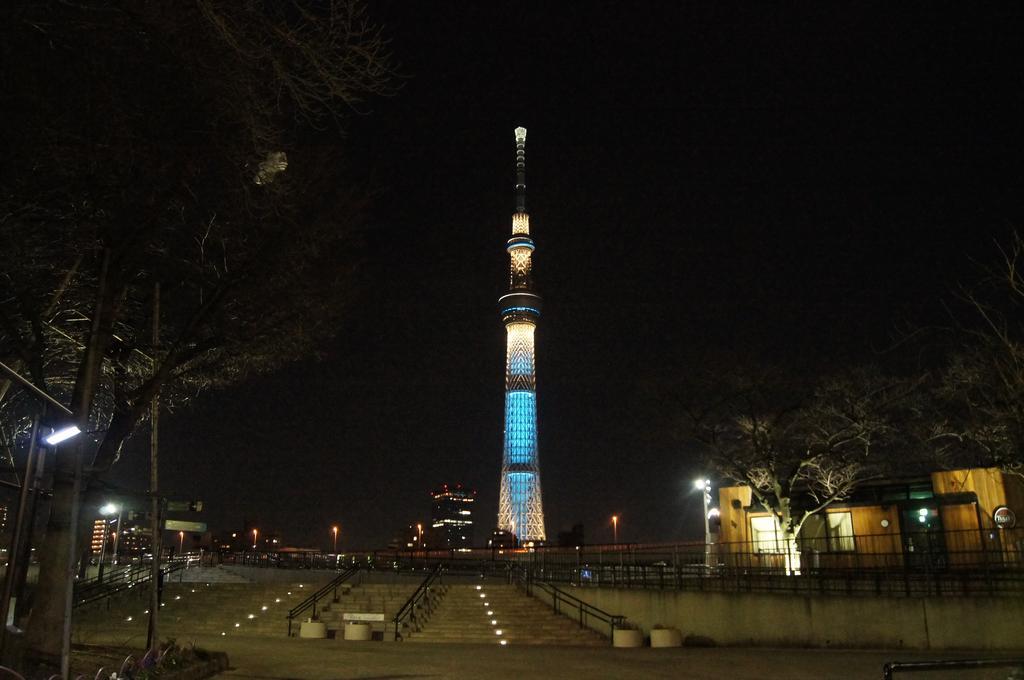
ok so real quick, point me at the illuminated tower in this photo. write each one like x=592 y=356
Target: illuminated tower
x=519 y=506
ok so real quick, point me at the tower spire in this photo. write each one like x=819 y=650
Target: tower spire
x=520 y=510
x=520 y=170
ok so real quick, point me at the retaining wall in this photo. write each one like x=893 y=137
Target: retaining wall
x=940 y=623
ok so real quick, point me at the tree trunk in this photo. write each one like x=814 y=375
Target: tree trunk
x=46 y=621
x=792 y=553
x=788 y=529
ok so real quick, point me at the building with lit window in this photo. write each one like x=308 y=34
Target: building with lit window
x=452 y=517
x=950 y=518
x=520 y=511
x=99 y=535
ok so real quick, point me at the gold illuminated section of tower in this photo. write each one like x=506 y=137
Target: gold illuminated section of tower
x=522 y=265
x=521 y=224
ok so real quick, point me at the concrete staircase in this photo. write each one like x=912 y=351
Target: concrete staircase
x=497 y=614
x=191 y=609
x=370 y=598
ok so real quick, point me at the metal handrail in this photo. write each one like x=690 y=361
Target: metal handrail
x=92 y=590
x=524 y=579
x=918 y=666
x=408 y=610
x=315 y=597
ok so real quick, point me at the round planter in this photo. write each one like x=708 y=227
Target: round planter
x=666 y=637
x=357 y=631
x=627 y=638
x=313 y=629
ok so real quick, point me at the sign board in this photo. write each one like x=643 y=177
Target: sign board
x=362 y=616
x=184 y=506
x=1004 y=518
x=190 y=527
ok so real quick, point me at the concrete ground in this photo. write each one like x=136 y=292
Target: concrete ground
x=288 y=659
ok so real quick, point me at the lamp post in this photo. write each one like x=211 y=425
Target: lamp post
x=181 y=542
x=704 y=486
x=419 y=534
x=615 y=529
x=334 y=530
x=60 y=435
x=108 y=509
x=255 y=533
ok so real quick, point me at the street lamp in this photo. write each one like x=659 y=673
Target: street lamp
x=107 y=510
x=255 y=533
x=704 y=486
x=419 y=534
x=181 y=542
x=615 y=529
x=334 y=530
x=27 y=481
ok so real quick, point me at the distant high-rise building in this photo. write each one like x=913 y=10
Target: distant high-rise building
x=520 y=511
x=452 y=516
x=99 y=530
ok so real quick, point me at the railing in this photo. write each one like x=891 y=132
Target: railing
x=94 y=589
x=408 y=610
x=584 y=610
x=311 y=601
x=953 y=563
x=919 y=666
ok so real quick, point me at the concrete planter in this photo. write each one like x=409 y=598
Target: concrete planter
x=666 y=637
x=625 y=637
x=356 y=630
x=313 y=629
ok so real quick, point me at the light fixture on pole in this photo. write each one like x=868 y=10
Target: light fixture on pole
x=615 y=529
x=334 y=530
x=62 y=434
x=181 y=541
x=704 y=486
x=105 y=511
x=255 y=533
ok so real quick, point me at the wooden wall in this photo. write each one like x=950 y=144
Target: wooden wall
x=735 y=528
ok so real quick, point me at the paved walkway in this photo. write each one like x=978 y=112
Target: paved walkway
x=289 y=659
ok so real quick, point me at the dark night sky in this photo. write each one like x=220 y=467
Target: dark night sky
x=702 y=177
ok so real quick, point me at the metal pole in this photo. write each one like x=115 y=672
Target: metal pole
x=152 y=636
x=19 y=526
x=117 y=534
x=31 y=387
x=69 y=598
x=103 y=550
x=707 y=525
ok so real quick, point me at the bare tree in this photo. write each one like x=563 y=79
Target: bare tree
x=980 y=402
x=194 y=145
x=800 y=447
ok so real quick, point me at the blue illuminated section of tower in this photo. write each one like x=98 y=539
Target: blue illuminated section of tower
x=520 y=510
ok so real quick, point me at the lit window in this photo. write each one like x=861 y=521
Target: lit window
x=828 y=532
x=840 y=532
x=763 y=535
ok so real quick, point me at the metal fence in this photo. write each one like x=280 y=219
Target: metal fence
x=957 y=563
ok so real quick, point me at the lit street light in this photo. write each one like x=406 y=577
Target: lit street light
x=181 y=542
x=255 y=533
x=419 y=534
x=615 y=529
x=63 y=434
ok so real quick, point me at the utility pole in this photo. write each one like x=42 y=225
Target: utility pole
x=152 y=639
